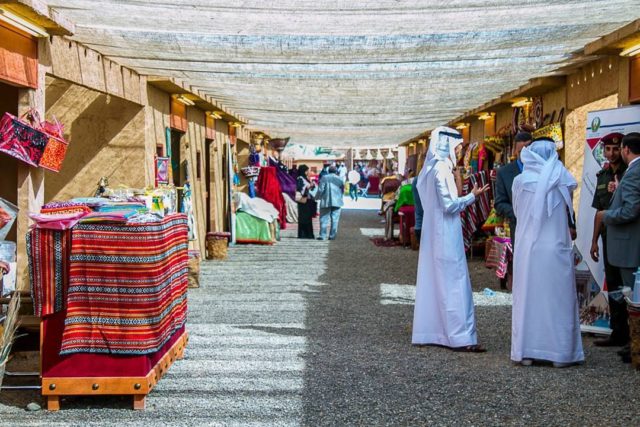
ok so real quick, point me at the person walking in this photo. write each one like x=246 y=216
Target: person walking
x=545 y=321
x=354 y=179
x=307 y=206
x=444 y=313
x=330 y=194
x=611 y=173
x=622 y=218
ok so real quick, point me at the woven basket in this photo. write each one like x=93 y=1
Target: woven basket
x=193 y=276
x=634 y=329
x=217 y=249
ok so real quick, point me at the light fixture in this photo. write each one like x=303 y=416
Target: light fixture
x=214 y=115
x=485 y=116
x=184 y=100
x=22 y=24
x=412 y=144
x=632 y=51
x=368 y=156
x=422 y=141
x=461 y=126
x=521 y=102
x=235 y=124
x=379 y=155
x=390 y=155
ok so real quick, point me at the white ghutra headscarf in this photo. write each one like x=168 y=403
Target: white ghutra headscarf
x=544 y=174
x=442 y=148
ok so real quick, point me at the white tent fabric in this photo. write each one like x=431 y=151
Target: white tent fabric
x=346 y=72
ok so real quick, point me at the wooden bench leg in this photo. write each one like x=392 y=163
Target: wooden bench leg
x=53 y=403
x=138 y=401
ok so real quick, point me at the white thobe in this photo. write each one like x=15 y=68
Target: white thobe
x=545 y=321
x=443 y=312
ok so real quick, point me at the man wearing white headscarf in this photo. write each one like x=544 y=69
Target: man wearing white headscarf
x=545 y=322
x=443 y=312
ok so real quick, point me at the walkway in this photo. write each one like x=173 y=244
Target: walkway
x=318 y=333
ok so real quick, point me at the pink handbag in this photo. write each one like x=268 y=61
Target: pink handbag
x=22 y=140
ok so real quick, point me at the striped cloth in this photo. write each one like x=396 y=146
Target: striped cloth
x=48 y=256
x=127 y=287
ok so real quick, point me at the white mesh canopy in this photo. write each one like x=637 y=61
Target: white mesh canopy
x=346 y=72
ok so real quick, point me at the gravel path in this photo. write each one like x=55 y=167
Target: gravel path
x=318 y=333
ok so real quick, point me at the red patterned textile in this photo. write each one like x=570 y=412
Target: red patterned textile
x=48 y=255
x=269 y=189
x=127 y=287
x=90 y=364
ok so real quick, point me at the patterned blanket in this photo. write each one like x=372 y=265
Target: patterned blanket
x=48 y=255
x=127 y=287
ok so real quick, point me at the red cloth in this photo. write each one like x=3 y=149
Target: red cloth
x=269 y=189
x=407 y=221
x=88 y=364
x=48 y=254
x=127 y=290
x=374 y=185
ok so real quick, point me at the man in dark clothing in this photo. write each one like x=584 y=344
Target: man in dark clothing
x=504 y=182
x=611 y=173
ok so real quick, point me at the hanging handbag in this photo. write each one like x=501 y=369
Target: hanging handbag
x=21 y=140
x=56 y=149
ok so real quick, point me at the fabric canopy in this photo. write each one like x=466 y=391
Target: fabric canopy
x=346 y=72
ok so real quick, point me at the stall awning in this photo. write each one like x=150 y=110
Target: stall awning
x=346 y=72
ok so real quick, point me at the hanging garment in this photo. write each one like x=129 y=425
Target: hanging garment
x=545 y=323
x=444 y=313
x=269 y=189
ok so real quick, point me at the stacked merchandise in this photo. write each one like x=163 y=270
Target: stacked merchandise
x=256 y=220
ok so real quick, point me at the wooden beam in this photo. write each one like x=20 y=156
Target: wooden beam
x=614 y=43
x=41 y=14
x=202 y=101
x=535 y=87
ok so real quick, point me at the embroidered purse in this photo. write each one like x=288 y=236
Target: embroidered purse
x=21 y=140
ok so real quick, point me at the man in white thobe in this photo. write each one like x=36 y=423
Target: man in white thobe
x=443 y=312
x=545 y=322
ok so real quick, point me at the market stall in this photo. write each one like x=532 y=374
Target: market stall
x=109 y=281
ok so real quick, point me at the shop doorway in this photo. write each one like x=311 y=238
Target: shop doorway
x=9 y=165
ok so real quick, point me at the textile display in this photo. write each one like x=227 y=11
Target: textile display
x=8 y=214
x=127 y=287
x=476 y=214
x=21 y=140
x=269 y=189
x=251 y=229
x=162 y=170
x=63 y=221
x=292 y=209
x=287 y=182
x=257 y=207
x=48 y=258
x=499 y=256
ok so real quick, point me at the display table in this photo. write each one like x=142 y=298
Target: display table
x=113 y=304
